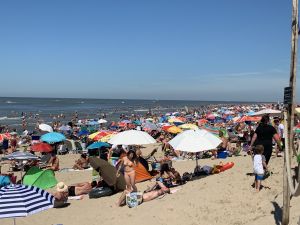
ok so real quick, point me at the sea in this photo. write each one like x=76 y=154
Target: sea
x=13 y=110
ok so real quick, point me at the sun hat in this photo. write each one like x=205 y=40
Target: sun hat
x=61 y=187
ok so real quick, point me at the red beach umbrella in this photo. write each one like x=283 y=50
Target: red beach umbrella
x=41 y=147
x=3 y=136
x=249 y=119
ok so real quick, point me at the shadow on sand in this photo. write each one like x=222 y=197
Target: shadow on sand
x=277 y=213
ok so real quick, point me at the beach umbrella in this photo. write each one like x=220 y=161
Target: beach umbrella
x=210 y=117
x=45 y=127
x=137 y=122
x=64 y=128
x=202 y=121
x=108 y=137
x=132 y=137
x=83 y=132
x=91 y=136
x=20 y=156
x=122 y=124
x=53 y=137
x=195 y=141
x=108 y=173
x=4 y=136
x=166 y=127
x=23 y=200
x=249 y=119
x=98 y=145
x=41 y=147
x=125 y=121
x=189 y=126
x=174 y=130
x=101 y=135
x=270 y=112
x=149 y=126
x=92 y=123
x=101 y=121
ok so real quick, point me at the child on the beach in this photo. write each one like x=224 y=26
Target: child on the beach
x=259 y=165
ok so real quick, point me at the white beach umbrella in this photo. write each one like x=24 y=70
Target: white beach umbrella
x=195 y=141
x=270 y=112
x=101 y=121
x=132 y=137
x=45 y=127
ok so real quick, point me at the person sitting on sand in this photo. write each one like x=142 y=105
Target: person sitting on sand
x=223 y=146
x=81 y=163
x=61 y=195
x=53 y=163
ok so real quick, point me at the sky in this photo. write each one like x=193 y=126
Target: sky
x=232 y=50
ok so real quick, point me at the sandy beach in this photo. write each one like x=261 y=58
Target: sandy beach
x=225 y=198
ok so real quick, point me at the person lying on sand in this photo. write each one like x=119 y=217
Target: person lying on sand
x=159 y=189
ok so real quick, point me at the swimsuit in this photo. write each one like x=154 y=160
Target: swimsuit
x=71 y=191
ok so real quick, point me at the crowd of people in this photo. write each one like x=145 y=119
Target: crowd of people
x=256 y=136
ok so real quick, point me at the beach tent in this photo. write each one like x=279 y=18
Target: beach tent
x=43 y=179
x=141 y=174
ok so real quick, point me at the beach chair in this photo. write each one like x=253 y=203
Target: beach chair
x=78 y=146
x=44 y=160
x=63 y=149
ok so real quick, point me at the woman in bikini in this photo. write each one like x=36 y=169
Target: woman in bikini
x=128 y=163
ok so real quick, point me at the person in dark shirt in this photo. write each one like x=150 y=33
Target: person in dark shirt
x=264 y=135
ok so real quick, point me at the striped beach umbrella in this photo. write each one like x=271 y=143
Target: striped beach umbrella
x=23 y=200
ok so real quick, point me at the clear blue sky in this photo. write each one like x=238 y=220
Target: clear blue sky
x=158 y=49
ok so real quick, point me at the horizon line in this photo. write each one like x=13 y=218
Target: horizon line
x=229 y=101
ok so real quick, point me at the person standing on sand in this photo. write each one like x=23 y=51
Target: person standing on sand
x=264 y=135
x=129 y=162
x=258 y=166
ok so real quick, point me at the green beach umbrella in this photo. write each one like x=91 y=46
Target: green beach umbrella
x=43 y=179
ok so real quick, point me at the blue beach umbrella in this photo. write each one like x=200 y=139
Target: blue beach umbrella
x=23 y=200
x=98 y=145
x=83 y=132
x=93 y=123
x=53 y=137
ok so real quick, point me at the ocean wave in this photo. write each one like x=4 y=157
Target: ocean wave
x=10 y=118
x=141 y=110
x=10 y=102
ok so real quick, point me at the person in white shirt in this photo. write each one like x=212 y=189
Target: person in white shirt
x=258 y=166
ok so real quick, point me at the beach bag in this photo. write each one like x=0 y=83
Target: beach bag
x=100 y=192
x=134 y=199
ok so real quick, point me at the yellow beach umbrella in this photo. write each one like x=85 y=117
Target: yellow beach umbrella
x=107 y=137
x=91 y=136
x=174 y=130
x=189 y=126
x=175 y=120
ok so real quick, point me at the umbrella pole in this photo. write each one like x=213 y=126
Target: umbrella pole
x=15 y=221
